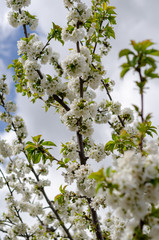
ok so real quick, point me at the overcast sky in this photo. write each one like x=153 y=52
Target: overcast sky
x=136 y=19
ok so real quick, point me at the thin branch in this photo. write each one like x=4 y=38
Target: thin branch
x=142 y=80
x=42 y=50
x=52 y=207
x=82 y=156
x=24 y=26
x=94 y=48
x=106 y=88
x=61 y=102
x=56 y=98
x=42 y=189
x=96 y=223
x=15 y=208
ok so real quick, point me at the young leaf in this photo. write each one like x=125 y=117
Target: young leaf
x=125 y=52
x=48 y=143
x=104 y=5
x=98 y=176
x=36 y=138
x=124 y=71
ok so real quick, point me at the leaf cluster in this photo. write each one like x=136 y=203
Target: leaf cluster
x=141 y=57
x=55 y=33
x=103 y=17
x=39 y=149
x=102 y=179
x=121 y=142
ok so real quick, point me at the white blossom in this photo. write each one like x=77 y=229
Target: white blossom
x=17 y=4
x=75 y=65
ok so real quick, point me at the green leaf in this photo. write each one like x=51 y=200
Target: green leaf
x=44 y=158
x=152 y=51
x=29 y=156
x=108 y=172
x=141 y=46
x=125 y=52
x=36 y=157
x=109 y=146
x=59 y=198
x=56 y=33
x=110 y=32
x=136 y=108
x=10 y=65
x=150 y=73
x=36 y=138
x=154 y=212
x=99 y=185
x=110 y=10
x=30 y=147
x=98 y=176
x=124 y=71
x=104 y=5
x=62 y=189
x=48 y=143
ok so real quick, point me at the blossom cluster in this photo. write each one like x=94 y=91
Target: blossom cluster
x=78 y=14
x=18 y=17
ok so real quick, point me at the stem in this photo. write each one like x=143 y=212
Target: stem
x=24 y=27
x=82 y=156
x=95 y=222
x=106 y=88
x=142 y=107
x=94 y=48
x=61 y=102
x=142 y=80
x=43 y=48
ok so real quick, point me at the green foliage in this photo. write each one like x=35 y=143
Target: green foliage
x=29 y=15
x=146 y=127
x=98 y=176
x=103 y=180
x=154 y=212
x=121 y=142
x=55 y=33
x=139 y=235
x=38 y=149
x=63 y=163
x=21 y=83
x=103 y=17
x=60 y=197
x=141 y=57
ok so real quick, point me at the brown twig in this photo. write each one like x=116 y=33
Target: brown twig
x=106 y=88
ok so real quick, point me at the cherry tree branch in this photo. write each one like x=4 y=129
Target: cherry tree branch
x=106 y=88
x=52 y=207
x=41 y=189
x=82 y=156
x=56 y=97
x=96 y=223
x=15 y=208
